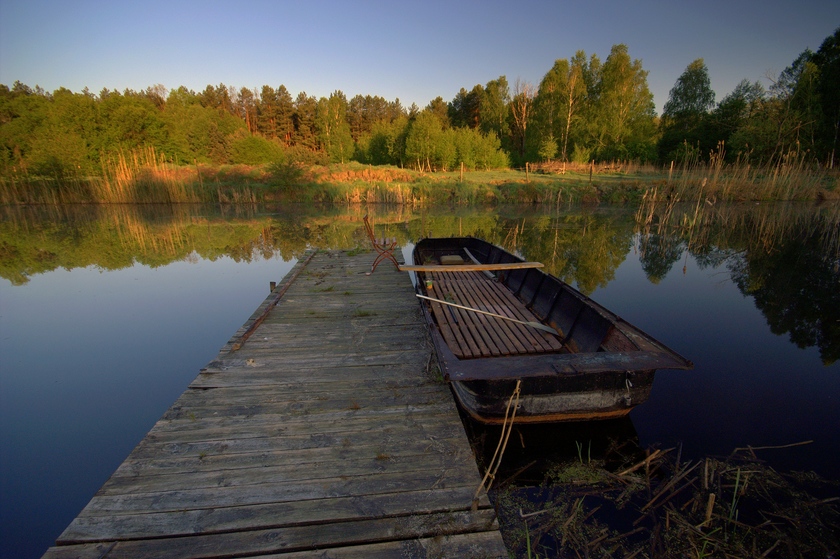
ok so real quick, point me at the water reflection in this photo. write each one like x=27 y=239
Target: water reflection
x=88 y=290
x=786 y=256
x=534 y=449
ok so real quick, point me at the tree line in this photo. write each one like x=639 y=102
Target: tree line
x=583 y=109
x=799 y=113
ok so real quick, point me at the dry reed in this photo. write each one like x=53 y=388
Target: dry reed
x=143 y=176
x=663 y=507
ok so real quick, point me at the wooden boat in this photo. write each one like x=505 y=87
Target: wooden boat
x=496 y=319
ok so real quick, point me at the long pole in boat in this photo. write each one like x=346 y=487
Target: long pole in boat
x=531 y=324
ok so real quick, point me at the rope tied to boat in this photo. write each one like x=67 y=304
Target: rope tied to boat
x=496 y=461
x=628 y=400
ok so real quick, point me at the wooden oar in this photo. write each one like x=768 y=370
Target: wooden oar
x=531 y=324
x=469 y=267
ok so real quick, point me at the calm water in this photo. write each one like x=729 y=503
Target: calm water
x=107 y=314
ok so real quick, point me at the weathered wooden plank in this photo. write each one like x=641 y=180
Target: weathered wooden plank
x=497 y=338
x=307 y=358
x=319 y=426
x=296 y=513
x=210 y=443
x=271 y=380
x=265 y=471
x=474 y=545
x=338 y=393
x=477 y=545
x=279 y=491
x=240 y=438
x=394 y=449
x=349 y=402
x=298 y=538
x=517 y=310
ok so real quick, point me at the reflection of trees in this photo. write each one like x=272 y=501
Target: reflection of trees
x=658 y=253
x=37 y=240
x=582 y=246
x=786 y=256
x=797 y=287
x=579 y=247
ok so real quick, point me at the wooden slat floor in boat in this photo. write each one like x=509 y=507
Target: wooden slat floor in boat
x=323 y=435
x=469 y=334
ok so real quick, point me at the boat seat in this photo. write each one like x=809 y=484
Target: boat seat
x=384 y=247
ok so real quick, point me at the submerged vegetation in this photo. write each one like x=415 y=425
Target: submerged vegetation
x=232 y=146
x=653 y=504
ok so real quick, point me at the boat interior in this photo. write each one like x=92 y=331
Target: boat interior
x=522 y=295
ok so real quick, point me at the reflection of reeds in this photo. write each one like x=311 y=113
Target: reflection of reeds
x=763 y=226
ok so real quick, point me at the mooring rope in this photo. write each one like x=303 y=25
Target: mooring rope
x=496 y=461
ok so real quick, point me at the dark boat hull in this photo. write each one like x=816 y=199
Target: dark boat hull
x=606 y=368
x=608 y=397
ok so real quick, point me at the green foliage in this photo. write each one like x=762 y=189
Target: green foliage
x=624 y=109
x=582 y=110
x=333 y=129
x=465 y=110
x=692 y=95
x=548 y=148
x=493 y=108
x=364 y=112
x=422 y=142
x=827 y=60
x=254 y=150
x=285 y=174
x=686 y=117
x=732 y=113
x=385 y=144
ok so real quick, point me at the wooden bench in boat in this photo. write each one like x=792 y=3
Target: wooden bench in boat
x=470 y=334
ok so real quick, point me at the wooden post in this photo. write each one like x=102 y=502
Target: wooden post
x=591 y=167
x=462 y=172
x=526 y=171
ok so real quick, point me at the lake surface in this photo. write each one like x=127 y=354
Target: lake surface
x=108 y=313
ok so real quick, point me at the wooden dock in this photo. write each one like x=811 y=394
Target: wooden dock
x=320 y=430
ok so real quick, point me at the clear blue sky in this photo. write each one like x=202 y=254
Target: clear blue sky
x=414 y=51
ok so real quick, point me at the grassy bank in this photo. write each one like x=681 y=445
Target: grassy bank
x=146 y=177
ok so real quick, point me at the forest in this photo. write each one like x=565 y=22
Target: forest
x=583 y=110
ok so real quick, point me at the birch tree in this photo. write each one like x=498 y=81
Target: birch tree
x=521 y=108
x=625 y=109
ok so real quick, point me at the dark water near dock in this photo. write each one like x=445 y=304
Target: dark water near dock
x=107 y=314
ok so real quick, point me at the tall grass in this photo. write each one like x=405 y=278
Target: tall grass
x=792 y=176
x=143 y=176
